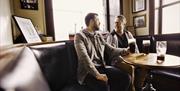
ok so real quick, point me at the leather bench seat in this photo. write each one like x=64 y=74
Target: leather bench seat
x=40 y=67
x=58 y=62
x=171 y=73
x=20 y=71
x=166 y=80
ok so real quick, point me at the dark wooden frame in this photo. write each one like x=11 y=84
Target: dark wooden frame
x=134 y=6
x=27 y=29
x=29 y=4
x=141 y=20
x=50 y=20
x=160 y=13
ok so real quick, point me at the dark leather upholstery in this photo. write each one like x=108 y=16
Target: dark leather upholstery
x=73 y=60
x=139 y=41
x=58 y=62
x=53 y=61
x=21 y=71
x=173 y=47
x=166 y=79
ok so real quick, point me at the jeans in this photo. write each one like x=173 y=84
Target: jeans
x=118 y=80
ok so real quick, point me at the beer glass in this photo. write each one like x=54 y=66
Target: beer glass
x=146 y=46
x=161 y=47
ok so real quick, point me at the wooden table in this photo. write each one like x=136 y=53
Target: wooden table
x=149 y=62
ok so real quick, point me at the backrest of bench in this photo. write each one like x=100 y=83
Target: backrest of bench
x=54 y=62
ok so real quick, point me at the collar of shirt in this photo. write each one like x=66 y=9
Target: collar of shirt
x=90 y=34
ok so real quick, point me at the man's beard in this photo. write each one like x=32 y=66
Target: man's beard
x=96 y=28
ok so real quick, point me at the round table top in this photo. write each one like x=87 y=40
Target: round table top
x=150 y=60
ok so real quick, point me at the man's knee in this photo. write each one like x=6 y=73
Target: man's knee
x=129 y=79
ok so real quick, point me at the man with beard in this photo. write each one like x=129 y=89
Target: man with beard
x=93 y=70
x=122 y=38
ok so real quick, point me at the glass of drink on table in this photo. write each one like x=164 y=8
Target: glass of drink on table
x=146 y=46
x=161 y=47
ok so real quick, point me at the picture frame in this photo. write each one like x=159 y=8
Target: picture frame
x=139 y=21
x=138 y=5
x=29 y=4
x=27 y=29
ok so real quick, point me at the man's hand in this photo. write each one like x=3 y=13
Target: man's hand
x=125 y=52
x=102 y=77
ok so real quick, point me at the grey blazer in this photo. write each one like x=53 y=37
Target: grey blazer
x=86 y=51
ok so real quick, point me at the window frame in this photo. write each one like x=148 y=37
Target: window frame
x=152 y=16
x=50 y=20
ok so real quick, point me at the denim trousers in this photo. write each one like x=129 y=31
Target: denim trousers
x=118 y=80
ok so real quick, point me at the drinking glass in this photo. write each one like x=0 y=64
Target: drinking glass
x=161 y=47
x=132 y=47
x=146 y=46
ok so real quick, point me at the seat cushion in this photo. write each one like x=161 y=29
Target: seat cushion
x=173 y=73
x=166 y=80
x=53 y=60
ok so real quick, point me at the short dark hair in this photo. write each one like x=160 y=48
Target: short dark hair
x=88 y=17
x=122 y=18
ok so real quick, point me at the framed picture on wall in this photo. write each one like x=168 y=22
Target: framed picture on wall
x=29 y=4
x=138 y=5
x=139 y=21
x=27 y=29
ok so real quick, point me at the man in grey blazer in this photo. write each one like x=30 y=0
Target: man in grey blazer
x=92 y=69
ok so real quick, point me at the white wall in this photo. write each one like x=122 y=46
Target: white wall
x=5 y=23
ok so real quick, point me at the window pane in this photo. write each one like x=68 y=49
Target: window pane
x=69 y=17
x=156 y=22
x=157 y=3
x=168 y=1
x=171 y=19
x=114 y=6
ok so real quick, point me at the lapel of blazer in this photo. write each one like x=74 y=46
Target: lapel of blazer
x=88 y=44
x=100 y=45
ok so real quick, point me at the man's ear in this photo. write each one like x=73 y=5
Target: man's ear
x=91 y=22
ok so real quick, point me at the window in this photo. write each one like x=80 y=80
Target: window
x=167 y=16
x=69 y=16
